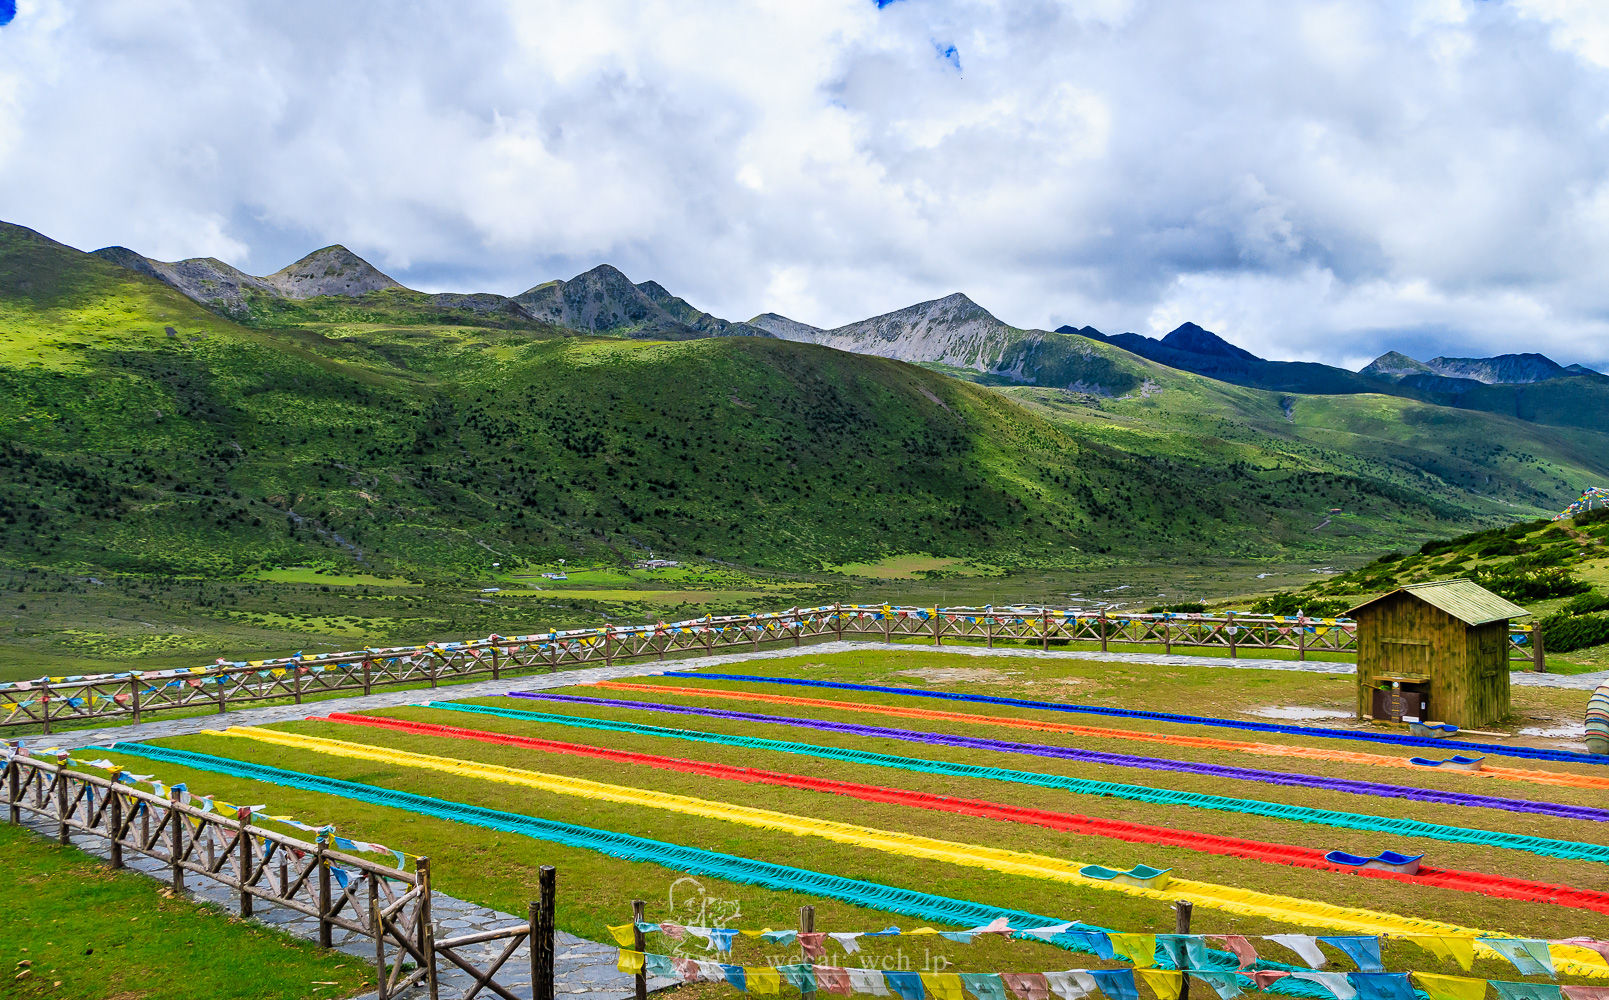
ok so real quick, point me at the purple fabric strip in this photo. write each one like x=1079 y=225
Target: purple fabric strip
x=1097 y=757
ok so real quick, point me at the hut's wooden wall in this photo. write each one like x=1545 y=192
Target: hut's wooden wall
x=1486 y=694
x=1466 y=668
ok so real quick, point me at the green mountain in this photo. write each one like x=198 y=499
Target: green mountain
x=341 y=418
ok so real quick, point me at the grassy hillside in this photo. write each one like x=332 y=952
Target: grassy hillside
x=1558 y=570
x=1327 y=458
x=145 y=435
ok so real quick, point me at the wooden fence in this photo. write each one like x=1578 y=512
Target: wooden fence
x=390 y=907
x=52 y=701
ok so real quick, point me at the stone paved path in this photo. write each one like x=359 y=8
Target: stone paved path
x=586 y=968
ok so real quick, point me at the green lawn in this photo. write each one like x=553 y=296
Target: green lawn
x=73 y=928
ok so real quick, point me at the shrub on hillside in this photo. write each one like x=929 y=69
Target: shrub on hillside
x=1287 y=603
x=1564 y=633
x=1586 y=604
x=1598 y=516
x=1194 y=609
x=1534 y=586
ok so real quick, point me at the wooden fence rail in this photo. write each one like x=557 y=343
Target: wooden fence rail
x=389 y=906
x=52 y=701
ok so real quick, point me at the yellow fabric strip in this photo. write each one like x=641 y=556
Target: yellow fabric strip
x=759 y=979
x=1245 y=902
x=630 y=962
x=625 y=935
x=943 y=985
x=1450 y=987
x=1450 y=949
x=1166 y=984
x=1137 y=948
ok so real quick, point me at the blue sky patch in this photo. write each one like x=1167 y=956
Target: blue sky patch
x=8 y=11
x=949 y=54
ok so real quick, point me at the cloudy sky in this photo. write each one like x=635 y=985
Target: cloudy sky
x=1314 y=180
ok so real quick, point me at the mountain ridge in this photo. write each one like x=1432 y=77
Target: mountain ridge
x=952 y=334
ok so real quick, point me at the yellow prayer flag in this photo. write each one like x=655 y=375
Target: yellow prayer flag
x=630 y=961
x=762 y=979
x=1137 y=948
x=943 y=985
x=624 y=935
x=1449 y=949
x=1165 y=983
x=1451 y=987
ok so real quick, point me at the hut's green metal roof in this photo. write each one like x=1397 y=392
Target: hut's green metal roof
x=1465 y=600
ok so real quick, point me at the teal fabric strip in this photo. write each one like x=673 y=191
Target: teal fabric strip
x=693 y=860
x=1574 y=850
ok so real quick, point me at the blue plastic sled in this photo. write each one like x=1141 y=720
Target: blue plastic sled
x=1389 y=861
x=1143 y=876
x=1451 y=763
x=1440 y=729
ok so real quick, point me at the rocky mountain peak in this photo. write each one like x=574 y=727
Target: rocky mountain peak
x=1393 y=363
x=1192 y=338
x=334 y=270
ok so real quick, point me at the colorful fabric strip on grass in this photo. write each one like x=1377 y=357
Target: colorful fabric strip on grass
x=1370 y=788
x=1573 y=850
x=1534 y=753
x=694 y=861
x=1491 y=885
x=1559 y=778
x=1234 y=900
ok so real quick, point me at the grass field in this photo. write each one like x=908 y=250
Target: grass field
x=73 y=928
x=498 y=868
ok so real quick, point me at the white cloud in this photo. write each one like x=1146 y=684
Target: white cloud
x=1316 y=180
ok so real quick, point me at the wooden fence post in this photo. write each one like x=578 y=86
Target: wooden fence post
x=838 y=619
x=368 y=680
x=542 y=934
x=797 y=629
x=223 y=697
x=44 y=704
x=1103 y=630
x=988 y=624
x=1233 y=652
x=377 y=929
x=641 y=947
x=428 y=949
x=938 y=627
x=176 y=839
x=435 y=668
x=807 y=925
x=1181 y=925
x=244 y=816
x=427 y=929
x=1301 y=637
x=325 y=928
x=62 y=834
x=14 y=791
x=114 y=813
x=1044 y=637
x=1167 y=632
x=496 y=665
x=135 y=680
x=1538 y=656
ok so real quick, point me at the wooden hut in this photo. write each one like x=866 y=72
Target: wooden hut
x=1438 y=651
